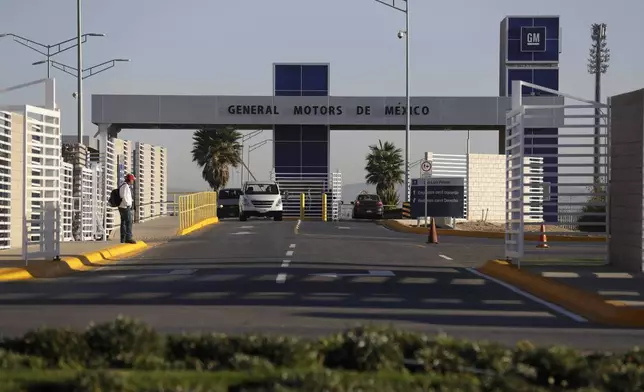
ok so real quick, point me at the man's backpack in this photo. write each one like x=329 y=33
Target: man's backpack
x=115 y=197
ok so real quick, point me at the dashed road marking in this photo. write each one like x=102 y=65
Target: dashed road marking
x=281 y=278
x=292 y=246
x=296 y=229
x=285 y=263
x=289 y=253
x=446 y=257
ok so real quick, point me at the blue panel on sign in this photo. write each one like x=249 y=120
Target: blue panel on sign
x=287 y=153
x=533 y=39
x=551 y=25
x=287 y=133
x=547 y=78
x=315 y=133
x=315 y=154
x=515 y=53
x=315 y=77
x=514 y=27
x=524 y=75
x=288 y=93
x=288 y=171
x=288 y=77
x=550 y=54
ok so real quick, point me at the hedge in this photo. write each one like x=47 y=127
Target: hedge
x=352 y=360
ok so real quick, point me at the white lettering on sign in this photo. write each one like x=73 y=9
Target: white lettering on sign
x=533 y=39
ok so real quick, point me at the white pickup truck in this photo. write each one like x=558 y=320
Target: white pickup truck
x=261 y=199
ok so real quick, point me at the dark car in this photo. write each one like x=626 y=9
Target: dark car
x=367 y=206
x=228 y=199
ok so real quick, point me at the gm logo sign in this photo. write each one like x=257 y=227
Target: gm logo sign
x=533 y=39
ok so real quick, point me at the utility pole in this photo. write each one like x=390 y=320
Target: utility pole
x=598 y=59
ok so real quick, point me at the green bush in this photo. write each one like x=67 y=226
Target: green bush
x=122 y=342
x=416 y=359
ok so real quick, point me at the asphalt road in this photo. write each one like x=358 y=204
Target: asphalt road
x=309 y=279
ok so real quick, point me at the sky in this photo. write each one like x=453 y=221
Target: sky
x=228 y=48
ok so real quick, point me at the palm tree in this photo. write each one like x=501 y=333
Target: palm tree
x=215 y=151
x=384 y=169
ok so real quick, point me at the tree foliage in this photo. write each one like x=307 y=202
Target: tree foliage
x=215 y=151
x=385 y=170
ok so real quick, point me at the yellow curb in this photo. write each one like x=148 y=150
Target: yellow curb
x=68 y=264
x=589 y=305
x=397 y=226
x=197 y=226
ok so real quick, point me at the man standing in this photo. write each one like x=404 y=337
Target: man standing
x=125 y=209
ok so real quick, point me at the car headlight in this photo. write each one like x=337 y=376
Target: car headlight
x=247 y=203
x=221 y=206
x=278 y=203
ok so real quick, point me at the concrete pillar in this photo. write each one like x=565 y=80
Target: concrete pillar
x=626 y=248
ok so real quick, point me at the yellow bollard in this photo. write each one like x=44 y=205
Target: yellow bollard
x=302 y=205
x=324 y=207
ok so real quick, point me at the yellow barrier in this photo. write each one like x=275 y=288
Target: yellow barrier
x=195 y=209
x=324 y=207
x=302 y=205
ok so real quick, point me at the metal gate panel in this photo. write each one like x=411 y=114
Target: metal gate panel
x=579 y=160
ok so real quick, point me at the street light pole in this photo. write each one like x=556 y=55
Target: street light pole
x=252 y=148
x=246 y=138
x=49 y=51
x=405 y=33
x=79 y=77
x=73 y=71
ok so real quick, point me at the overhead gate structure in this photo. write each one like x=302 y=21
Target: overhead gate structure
x=582 y=162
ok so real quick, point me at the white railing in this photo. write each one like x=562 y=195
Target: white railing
x=577 y=167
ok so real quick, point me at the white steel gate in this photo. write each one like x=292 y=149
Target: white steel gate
x=579 y=172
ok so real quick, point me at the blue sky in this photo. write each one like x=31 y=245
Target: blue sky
x=228 y=47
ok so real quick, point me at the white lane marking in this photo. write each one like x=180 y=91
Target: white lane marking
x=281 y=278
x=446 y=257
x=289 y=253
x=547 y=304
x=369 y=273
x=344 y=227
x=242 y=233
x=297 y=226
x=247 y=227
x=292 y=246
x=285 y=263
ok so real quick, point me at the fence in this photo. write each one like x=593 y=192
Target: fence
x=571 y=135
x=196 y=208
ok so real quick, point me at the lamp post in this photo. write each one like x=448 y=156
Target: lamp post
x=405 y=34
x=243 y=139
x=102 y=67
x=50 y=51
x=254 y=147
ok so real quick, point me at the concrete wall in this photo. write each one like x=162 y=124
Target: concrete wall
x=487 y=187
x=627 y=160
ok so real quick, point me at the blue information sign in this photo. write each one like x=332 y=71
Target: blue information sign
x=533 y=39
x=445 y=197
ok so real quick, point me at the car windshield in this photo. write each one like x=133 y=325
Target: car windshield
x=261 y=189
x=229 y=194
x=368 y=198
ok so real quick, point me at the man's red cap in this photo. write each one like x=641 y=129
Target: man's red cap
x=130 y=177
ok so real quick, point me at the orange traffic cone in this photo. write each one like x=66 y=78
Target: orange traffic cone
x=432 y=235
x=543 y=239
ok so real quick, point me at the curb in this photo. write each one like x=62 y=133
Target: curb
x=68 y=264
x=589 y=305
x=393 y=225
x=197 y=226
